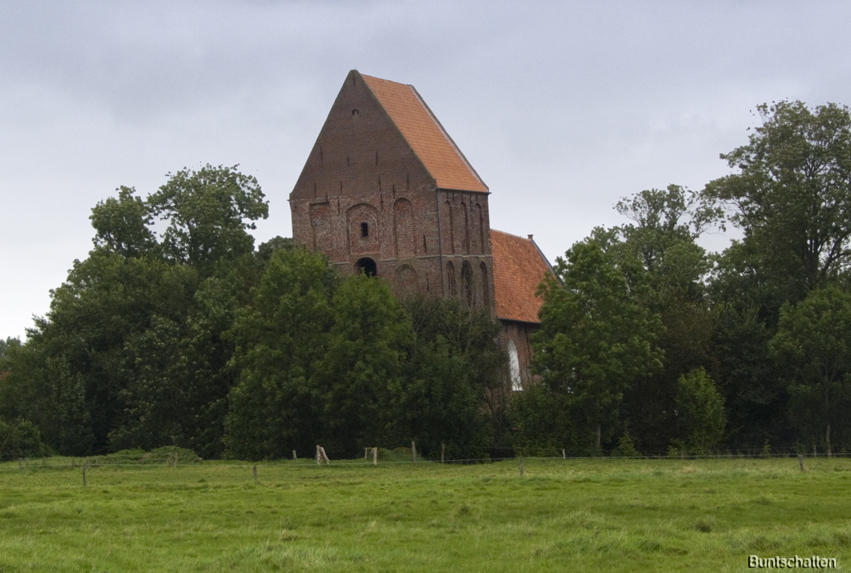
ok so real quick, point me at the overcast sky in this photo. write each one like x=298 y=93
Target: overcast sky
x=561 y=107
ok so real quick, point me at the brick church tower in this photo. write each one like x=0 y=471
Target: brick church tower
x=386 y=191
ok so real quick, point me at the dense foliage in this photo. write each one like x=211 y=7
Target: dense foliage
x=649 y=341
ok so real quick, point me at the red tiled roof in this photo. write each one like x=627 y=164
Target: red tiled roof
x=518 y=269
x=425 y=135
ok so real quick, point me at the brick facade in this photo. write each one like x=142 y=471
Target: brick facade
x=367 y=200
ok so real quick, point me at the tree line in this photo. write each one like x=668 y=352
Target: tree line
x=651 y=343
x=176 y=330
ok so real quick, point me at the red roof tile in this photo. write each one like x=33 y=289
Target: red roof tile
x=425 y=135
x=518 y=269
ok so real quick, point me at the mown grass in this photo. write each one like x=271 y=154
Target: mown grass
x=608 y=514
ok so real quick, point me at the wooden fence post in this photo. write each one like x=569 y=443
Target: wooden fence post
x=414 y=450
x=801 y=461
x=295 y=457
x=324 y=455
x=563 y=454
x=375 y=456
x=255 y=473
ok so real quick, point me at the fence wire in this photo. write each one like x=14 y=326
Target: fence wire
x=74 y=463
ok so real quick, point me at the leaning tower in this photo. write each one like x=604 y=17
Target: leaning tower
x=386 y=191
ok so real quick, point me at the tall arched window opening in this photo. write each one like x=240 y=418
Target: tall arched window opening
x=486 y=294
x=450 y=279
x=467 y=282
x=446 y=223
x=464 y=229
x=481 y=228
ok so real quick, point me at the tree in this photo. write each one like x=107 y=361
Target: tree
x=281 y=338
x=792 y=194
x=700 y=412
x=20 y=439
x=97 y=318
x=746 y=301
x=363 y=365
x=661 y=243
x=813 y=342
x=123 y=225
x=453 y=366
x=209 y=212
x=134 y=352
x=595 y=338
x=39 y=387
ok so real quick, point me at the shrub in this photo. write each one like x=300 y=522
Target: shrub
x=21 y=439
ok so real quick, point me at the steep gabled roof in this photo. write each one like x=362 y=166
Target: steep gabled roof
x=518 y=269
x=420 y=128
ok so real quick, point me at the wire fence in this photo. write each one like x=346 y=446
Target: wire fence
x=388 y=457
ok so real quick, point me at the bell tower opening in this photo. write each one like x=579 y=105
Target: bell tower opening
x=366 y=266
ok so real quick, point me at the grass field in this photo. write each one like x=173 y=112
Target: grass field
x=562 y=515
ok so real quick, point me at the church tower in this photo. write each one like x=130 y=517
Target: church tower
x=386 y=191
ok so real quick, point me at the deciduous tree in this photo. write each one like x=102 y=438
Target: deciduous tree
x=813 y=344
x=595 y=337
x=700 y=412
x=792 y=193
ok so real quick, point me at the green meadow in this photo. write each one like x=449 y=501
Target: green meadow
x=561 y=515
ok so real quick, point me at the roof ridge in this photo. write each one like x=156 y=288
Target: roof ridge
x=526 y=238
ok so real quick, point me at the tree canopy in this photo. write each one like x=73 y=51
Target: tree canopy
x=792 y=192
x=813 y=344
x=595 y=337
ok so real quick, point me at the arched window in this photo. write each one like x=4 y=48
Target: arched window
x=486 y=294
x=448 y=238
x=403 y=228
x=463 y=229
x=405 y=280
x=363 y=229
x=467 y=282
x=450 y=279
x=514 y=366
x=481 y=228
x=366 y=266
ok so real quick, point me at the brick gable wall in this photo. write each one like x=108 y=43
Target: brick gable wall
x=365 y=193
